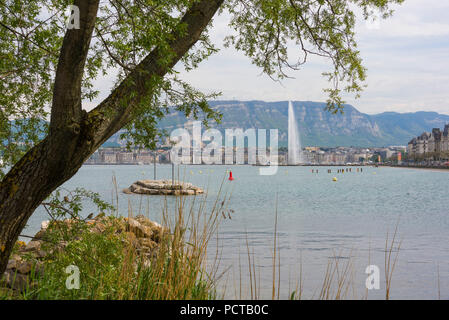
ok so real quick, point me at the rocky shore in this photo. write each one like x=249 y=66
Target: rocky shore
x=163 y=187
x=28 y=259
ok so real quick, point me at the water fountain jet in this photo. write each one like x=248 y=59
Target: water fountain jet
x=294 y=142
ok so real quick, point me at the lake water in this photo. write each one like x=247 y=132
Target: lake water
x=318 y=221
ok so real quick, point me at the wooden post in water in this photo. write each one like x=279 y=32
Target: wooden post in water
x=154 y=160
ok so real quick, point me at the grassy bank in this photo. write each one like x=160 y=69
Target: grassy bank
x=119 y=257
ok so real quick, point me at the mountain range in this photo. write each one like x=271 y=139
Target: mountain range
x=318 y=127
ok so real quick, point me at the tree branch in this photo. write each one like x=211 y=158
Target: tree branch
x=117 y=109
x=66 y=106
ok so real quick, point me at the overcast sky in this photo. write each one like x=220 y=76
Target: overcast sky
x=407 y=57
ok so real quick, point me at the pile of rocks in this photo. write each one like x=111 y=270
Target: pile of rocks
x=144 y=235
x=21 y=264
x=139 y=232
x=163 y=187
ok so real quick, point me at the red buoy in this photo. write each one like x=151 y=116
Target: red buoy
x=230 y=176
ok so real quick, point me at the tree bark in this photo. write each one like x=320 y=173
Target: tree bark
x=74 y=134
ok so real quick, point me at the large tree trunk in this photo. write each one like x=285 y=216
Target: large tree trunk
x=74 y=134
x=27 y=184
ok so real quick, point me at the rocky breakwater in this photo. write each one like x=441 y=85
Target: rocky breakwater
x=163 y=187
x=27 y=261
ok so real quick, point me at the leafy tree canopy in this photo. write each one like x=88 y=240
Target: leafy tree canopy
x=127 y=31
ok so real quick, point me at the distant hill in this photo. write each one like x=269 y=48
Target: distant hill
x=401 y=127
x=318 y=127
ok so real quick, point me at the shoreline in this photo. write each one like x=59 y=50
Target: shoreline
x=440 y=169
x=436 y=169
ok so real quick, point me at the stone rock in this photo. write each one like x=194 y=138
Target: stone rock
x=147 y=244
x=156 y=229
x=98 y=227
x=145 y=221
x=138 y=229
x=34 y=245
x=24 y=267
x=162 y=187
x=40 y=234
x=132 y=239
x=127 y=191
x=13 y=263
x=45 y=224
x=15 y=280
x=142 y=233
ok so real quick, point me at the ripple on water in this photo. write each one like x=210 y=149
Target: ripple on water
x=315 y=217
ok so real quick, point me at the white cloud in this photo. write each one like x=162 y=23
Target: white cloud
x=407 y=59
x=414 y=18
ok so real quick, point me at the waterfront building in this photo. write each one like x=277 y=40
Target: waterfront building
x=434 y=144
x=144 y=157
x=423 y=143
x=411 y=148
x=430 y=146
x=109 y=157
x=125 y=157
x=445 y=142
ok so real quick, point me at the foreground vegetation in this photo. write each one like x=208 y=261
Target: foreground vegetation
x=120 y=257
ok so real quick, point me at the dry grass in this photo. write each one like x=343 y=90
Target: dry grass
x=339 y=280
x=182 y=269
x=111 y=268
x=389 y=263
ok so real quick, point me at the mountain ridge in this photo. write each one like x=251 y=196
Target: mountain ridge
x=316 y=126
